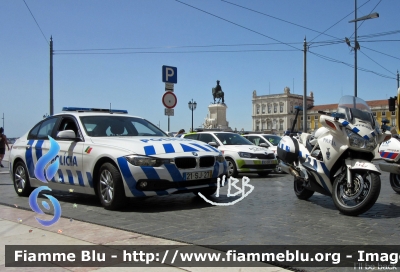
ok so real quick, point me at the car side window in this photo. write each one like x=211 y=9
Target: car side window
x=68 y=124
x=46 y=128
x=191 y=136
x=255 y=140
x=207 y=138
x=33 y=133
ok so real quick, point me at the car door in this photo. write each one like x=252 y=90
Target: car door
x=37 y=145
x=69 y=174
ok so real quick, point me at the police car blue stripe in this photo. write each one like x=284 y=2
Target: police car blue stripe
x=345 y=123
x=168 y=148
x=70 y=177
x=356 y=130
x=366 y=137
x=187 y=148
x=150 y=172
x=212 y=148
x=174 y=172
x=373 y=134
x=129 y=179
x=326 y=171
x=61 y=176
x=29 y=159
x=161 y=193
x=225 y=167
x=80 y=178
x=89 y=178
x=38 y=149
x=202 y=147
x=149 y=150
x=216 y=170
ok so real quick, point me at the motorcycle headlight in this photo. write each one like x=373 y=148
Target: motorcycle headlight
x=357 y=141
x=147 y=161
x=245 y=154
x=220 y=158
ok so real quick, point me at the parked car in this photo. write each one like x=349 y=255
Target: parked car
x=269 y=140
x=113 y=155
x=242 y=156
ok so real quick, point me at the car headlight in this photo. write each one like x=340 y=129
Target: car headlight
x=147 y=161
x=245 y=154
x=356 y=140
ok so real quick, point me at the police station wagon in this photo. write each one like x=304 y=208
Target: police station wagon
x=113 y=155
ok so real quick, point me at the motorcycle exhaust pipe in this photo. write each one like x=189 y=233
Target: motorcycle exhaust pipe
x=289 y=169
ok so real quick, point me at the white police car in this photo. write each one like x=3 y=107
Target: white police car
x=113 y=155
x=241 y=155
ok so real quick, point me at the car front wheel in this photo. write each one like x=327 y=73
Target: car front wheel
x=22 y=184
x=232 y=169
x=111 y=188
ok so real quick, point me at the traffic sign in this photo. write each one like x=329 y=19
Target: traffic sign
x=169 y=100
x=169 y=74
x=169 y=87
x=169 y=112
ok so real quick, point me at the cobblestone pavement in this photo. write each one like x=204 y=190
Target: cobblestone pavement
x=270 y=215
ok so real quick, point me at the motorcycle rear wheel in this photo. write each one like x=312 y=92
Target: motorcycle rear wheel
x=300 y=191
x=395 y=182
x=360 y=198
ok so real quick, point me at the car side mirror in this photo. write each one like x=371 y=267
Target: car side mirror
x=66 y=134
x=213 y=144
x=263 y=145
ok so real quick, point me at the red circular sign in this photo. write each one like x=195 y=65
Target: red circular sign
x=169 y=100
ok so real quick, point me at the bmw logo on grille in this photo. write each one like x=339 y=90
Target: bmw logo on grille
x=194 y=154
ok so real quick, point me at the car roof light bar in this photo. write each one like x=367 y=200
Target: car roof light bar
x=93 y=110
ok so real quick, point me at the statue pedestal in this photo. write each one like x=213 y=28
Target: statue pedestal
x=216 y=118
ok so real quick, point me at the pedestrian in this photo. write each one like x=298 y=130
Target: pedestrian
x=3 y=143
x=180 y=133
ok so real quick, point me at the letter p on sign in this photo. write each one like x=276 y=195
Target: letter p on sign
x=169 y=74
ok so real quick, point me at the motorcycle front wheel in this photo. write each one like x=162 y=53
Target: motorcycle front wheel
x=362 y=195
x=395 y=182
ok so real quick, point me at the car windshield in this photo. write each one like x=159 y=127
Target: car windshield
x=232 y=139
x=112 y=126
x=354 y=107
x=273 y=139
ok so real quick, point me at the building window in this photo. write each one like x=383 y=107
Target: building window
x=393 y=122
x=301 y=118
x=257 y=128
x=315 y=123
x=374 y=113
x=316 y=117
x=275 y=108
x=383 y=113
x=281 y=108
x=258 y=109
x=308 y=117
x=393 y=113
x=281 y=125
x=263 y=109
x=291 y=107
x=308 y=125
x=269 y=125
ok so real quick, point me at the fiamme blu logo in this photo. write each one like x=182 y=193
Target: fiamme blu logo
x=45 y=174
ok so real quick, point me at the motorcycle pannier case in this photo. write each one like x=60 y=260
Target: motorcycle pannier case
x=288 y=149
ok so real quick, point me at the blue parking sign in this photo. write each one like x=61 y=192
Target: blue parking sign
x=169 y=74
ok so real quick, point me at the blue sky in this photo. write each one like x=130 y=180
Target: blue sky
x=246 y=50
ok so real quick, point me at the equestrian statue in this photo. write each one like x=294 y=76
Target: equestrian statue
x=218 y=93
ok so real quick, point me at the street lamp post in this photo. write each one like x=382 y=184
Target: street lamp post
x=192 y=106
x=356 y=45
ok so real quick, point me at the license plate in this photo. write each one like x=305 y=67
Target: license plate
x=198 y=175
x=269 y=162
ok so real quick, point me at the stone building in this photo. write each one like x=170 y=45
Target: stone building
x=274 y=113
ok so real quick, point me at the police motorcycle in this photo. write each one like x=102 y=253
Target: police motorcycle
x=336 y=161
x=390 y=153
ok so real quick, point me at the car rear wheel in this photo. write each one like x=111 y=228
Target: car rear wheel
x=22 y=184
x=111 y=187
